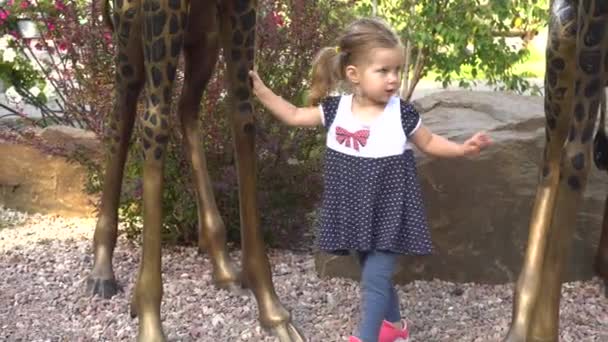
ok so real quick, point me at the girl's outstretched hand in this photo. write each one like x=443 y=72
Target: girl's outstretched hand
x=476 y=143
x=256 y=81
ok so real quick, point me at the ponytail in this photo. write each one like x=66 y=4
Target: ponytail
x=359 y=38
x=325 y=75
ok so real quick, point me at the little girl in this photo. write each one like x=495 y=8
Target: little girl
x=372 y=202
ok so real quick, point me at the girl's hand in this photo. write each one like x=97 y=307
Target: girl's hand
x=476 y=143
x=257 y=84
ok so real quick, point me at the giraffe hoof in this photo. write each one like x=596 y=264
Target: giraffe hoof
x=514 y=336
x=230 y=281
x=105 y=288
x=151 y=334
x=287 y=332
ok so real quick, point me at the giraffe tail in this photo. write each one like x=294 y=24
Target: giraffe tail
x=600 y=144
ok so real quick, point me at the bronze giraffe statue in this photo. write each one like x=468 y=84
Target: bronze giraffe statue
x=576 y=70
x=150 y=36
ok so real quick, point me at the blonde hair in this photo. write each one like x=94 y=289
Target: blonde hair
x=354 y=45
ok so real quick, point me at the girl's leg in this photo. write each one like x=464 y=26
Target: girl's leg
x=393 y=313
x=377 y=291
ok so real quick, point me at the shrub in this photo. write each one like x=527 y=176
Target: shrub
x=65 y=55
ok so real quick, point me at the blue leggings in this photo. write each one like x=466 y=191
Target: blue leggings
x=379 y=300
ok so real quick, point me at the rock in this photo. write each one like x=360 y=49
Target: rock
x=479 y=209
x=72 y=139
x=34 y=180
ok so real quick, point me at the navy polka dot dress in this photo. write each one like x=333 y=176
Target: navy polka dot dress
x=372 y=199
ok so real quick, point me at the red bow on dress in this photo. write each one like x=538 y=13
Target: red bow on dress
x=359 y=137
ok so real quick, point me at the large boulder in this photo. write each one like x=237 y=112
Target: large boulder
x=479 y=210
x=34 y=178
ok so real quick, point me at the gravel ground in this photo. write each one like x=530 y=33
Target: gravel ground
x=44 y=261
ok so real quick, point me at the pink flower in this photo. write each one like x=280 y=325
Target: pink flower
x=59 y=5
x=10 y=2
x=25 y=4
x=4 y=14
x=50 y=26
x=63 y=46
x=107 y=36
x=277 y=19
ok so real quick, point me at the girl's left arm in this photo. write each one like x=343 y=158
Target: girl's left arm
x=438 y=146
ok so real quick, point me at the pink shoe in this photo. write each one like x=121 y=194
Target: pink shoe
x=353 y=339
x=388 y=333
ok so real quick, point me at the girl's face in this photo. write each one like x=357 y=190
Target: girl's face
x=378 y=77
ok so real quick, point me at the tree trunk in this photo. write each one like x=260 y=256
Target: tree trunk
x=407 y=86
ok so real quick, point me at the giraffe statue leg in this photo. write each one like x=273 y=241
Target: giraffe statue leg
x=163 y=31
x=601 y=259
x=129 y=82
x=559 y=96
x=575 y=165
x=573 y=100
x=201 y=48
x=238 y=35
x=600 y=151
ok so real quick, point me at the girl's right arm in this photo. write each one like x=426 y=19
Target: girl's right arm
x=282 y=109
